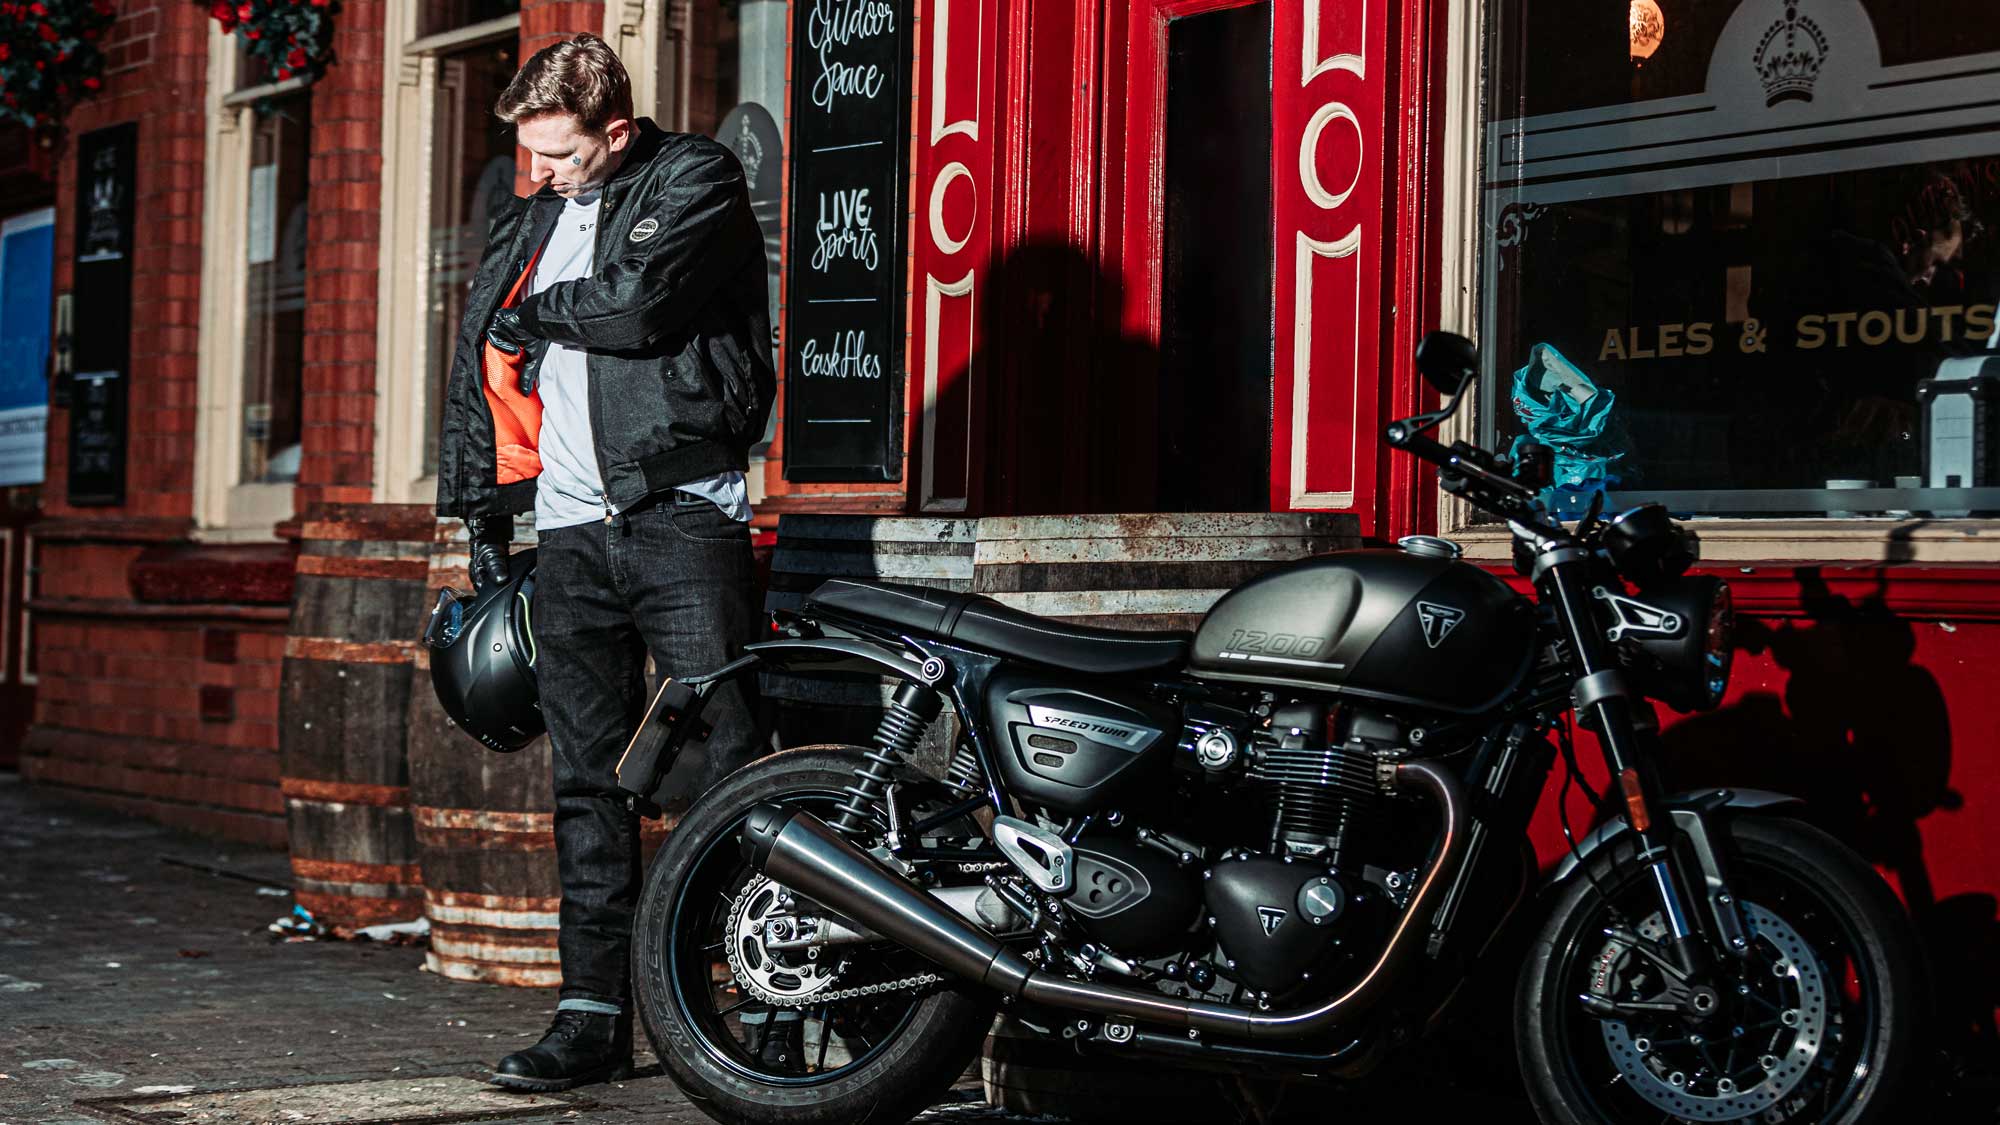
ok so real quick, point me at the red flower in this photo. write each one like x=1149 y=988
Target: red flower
x=37 y=9
x=92 y=84
x=5 y=50
x=296 y=59
x=283 y=74
x=253 y=33
x=47 y=33
x=243 y=11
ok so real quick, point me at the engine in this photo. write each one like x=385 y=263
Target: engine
x=1276 y=913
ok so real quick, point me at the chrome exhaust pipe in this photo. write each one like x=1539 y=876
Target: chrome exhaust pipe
x=797 y=849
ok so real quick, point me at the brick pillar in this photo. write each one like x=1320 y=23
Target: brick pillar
x=342 y=259
x=544 y=22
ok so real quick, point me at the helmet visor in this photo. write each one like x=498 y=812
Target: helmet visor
x=447 y=618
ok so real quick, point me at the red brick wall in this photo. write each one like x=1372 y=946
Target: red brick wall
x=168 y=711
x=544 y=22
x=160 y=85
x=177 y=722
x=341 y=265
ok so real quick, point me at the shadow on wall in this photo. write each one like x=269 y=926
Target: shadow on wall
x=1863 y=735
x=1073 y=413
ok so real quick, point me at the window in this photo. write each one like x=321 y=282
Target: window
x=446 y=161
x=27 y=257
x=474 y=170
x=252 y=340
x=274 y=255
x=717 y=67
x=1741 y=257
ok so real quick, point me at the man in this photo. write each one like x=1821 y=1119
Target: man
x=612 y=371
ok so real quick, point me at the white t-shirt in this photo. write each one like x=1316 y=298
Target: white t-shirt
x=570 y=490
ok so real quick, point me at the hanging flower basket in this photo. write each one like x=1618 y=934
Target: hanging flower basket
x=49 y=58
x=287 y=38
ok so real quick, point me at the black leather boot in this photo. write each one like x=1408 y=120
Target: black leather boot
x=580 y=1048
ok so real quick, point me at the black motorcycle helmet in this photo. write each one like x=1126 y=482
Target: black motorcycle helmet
x=483 y=659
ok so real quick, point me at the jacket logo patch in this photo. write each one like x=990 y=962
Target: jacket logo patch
x=1438 y=621
x=646 y=229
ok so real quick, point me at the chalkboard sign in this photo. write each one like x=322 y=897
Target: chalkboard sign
x=102 y=344
x=845 y=277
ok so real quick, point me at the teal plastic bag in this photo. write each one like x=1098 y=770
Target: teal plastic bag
x=1561 y=407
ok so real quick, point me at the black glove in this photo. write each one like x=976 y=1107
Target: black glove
x=490 y=536
x=506 y=332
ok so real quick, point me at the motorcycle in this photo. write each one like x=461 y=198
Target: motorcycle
x=1276 y=847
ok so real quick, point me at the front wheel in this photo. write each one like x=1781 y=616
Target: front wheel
x=1816 y=1024
x=757 y=1034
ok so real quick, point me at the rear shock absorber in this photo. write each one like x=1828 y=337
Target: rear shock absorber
x=909 y=713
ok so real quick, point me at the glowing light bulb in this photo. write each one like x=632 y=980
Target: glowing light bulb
x=1648 y=26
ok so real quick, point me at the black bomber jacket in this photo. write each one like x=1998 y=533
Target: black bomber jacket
x=674 y=320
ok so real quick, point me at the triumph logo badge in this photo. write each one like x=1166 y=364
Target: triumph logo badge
x=645 y=229
x=1438 y=621
x=1273 y=918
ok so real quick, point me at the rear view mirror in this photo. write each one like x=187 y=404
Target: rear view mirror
x=1445 y=359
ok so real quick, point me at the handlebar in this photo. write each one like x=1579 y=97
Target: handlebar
x=1479 y=479
x=1404 y=436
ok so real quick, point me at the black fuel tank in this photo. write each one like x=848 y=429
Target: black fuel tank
x=1406 y=629
x=1069 y=748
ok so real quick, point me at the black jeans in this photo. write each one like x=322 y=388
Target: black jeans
x=674 y=578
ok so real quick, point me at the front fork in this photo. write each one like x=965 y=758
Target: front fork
x=1684 y=858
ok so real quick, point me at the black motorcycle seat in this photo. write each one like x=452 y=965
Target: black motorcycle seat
x=980 y=622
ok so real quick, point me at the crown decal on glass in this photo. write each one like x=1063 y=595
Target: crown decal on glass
x=1789 y=57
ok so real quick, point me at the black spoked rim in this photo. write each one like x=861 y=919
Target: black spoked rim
x=735 y=1028
x=1803 y=914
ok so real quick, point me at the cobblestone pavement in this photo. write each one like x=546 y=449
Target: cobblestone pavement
x=126 y=972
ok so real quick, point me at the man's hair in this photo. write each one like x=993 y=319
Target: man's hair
x=581 y=77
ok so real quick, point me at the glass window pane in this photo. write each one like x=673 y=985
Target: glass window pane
x=445 y=15
x=722 y=73
x=1741 y=257
x=472 y=169
x=275 y=289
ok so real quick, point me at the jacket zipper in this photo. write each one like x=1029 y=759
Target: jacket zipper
x=590 y=392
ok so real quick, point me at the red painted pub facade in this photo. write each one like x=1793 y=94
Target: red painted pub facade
x=1155 y=256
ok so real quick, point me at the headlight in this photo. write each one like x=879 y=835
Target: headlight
x=1688 y=671
x=1649 y=548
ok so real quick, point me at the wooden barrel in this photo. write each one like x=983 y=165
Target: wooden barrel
x=904 y=550
x=1026 y=1073
x=1152 y=571
x=357 y=605
x=485 y=831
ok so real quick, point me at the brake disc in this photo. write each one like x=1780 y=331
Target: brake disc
x=1780 y=1029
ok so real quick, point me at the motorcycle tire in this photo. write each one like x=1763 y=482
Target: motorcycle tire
x=1819 y=1023
x=925 y=1041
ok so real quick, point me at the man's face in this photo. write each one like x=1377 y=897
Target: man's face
x=568 y=157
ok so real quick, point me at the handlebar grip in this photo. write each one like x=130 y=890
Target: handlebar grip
x=1406 y=438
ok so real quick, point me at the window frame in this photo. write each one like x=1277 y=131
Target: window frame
x=402 y=347
x=226 y=507
x=1730 y=539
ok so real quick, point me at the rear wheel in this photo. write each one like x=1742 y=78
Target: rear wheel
x=1816 y=1024
x=759 y=1034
